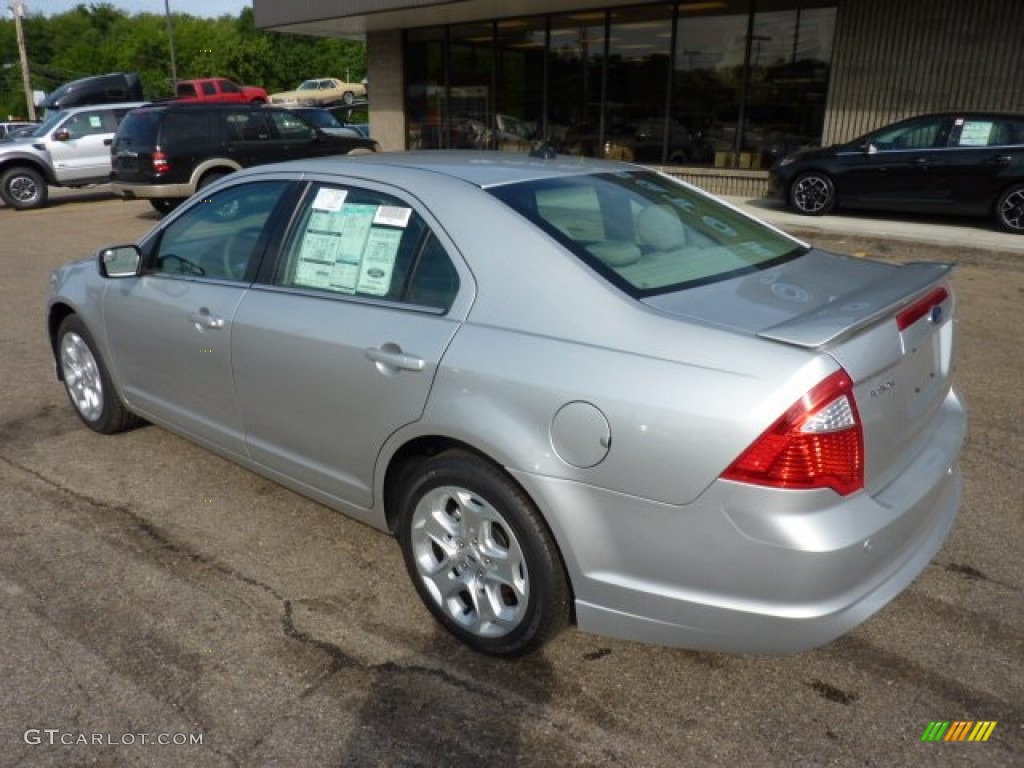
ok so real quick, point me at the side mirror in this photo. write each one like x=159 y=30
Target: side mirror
x=871 y=149
x=62 y=135
x=119 y=261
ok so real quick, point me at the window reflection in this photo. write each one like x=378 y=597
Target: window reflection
x=574 y=82
x=694 y=83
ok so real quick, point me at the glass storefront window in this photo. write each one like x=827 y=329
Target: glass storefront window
x=424 y=88
x=693 y=83
x=470 y=85
x=789 y=70
x=519 y=100
x=575 y=82
x=708 y=78
x=639 y=60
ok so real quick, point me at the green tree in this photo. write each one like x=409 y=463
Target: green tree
x=97 y=38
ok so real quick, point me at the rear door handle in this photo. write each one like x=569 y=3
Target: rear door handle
x=1000 y=160
x=206 y=319
x=391 y=357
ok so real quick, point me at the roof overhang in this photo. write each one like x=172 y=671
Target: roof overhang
x=354 y=18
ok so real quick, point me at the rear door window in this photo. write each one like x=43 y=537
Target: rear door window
x=363 y=243
x=987 y=132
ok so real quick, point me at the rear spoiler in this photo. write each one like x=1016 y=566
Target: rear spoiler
x=859 y=309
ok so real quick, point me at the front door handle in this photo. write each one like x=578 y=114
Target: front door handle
x=206 y=319
x=390 y=357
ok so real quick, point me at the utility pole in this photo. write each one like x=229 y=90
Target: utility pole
x=18 y=9
x=170 y=41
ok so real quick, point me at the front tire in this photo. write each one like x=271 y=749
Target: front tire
x=480 y=556
x=88 y=382
x=812 y=194
x=348 y=97
x=1010 y=210
x=23 y=188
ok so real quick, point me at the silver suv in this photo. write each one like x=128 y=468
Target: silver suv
x=71 y=148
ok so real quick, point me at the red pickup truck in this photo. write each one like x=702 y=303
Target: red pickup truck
x=207 y=89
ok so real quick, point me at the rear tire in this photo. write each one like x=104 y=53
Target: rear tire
x=23 y=188
x=210 y=178
x=87 y=381
x=1010 y=210
x=480 y=555
x=812 y=194
x=164 y=205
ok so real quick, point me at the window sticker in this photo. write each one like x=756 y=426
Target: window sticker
x=393 y=216
x=976 y=133
x=379 y=261
x=332 y=247
x=329 y=199
x=95 y=121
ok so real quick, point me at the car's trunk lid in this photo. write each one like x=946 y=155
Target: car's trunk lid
x=889 y=326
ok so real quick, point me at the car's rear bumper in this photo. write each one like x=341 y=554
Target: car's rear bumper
x=747 y=569
x=132 y=191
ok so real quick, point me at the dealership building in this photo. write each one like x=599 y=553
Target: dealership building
x=716 y=90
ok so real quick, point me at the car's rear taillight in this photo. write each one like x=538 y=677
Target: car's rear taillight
x=922 y=307
x=160 y=162
x=817 y=443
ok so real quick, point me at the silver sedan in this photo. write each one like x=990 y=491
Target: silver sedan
x=573 y=390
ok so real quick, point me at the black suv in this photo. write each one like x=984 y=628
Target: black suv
x=167 y=151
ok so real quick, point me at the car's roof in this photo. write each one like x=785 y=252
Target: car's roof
x=480 y=168
x=968 y=113
x=116 y=105
x=174 y=103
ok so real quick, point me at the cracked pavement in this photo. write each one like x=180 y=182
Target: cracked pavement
x=150 y=587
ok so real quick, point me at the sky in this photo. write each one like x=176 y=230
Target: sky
x=210 y=8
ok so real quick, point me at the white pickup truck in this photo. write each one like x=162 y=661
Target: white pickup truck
x=71 y=148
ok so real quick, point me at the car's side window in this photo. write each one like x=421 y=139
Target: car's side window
x=87 y=124
x=988 y=132
x=359 y=242
x=434 y=281
x=290 y=126
x=221 y=237
x=255 y=127
x=918 y=134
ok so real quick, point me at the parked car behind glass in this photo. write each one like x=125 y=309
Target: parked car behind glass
x=958 y=163
x=570 y=388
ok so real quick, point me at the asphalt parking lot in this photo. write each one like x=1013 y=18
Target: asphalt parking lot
x=164 y=607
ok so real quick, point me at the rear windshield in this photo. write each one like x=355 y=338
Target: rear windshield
x=647 y=233
x=139 y=127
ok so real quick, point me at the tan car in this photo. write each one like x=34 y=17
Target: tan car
x=324 y=92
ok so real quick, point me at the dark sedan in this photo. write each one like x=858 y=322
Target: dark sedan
x=953 y=163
